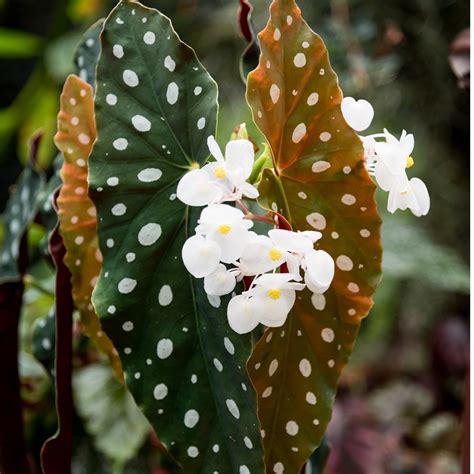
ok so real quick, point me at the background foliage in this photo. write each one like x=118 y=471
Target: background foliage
x=400 y=402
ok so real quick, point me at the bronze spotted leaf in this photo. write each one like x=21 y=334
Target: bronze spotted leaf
x=319 y=183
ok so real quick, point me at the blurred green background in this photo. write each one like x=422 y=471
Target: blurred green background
x=400 y=405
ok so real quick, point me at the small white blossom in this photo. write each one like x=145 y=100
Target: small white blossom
x=222 y=180
x=268 y=302
x=226 y=226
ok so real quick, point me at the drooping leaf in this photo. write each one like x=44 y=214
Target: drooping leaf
x=77 y=214
x=319 y=183
x=155 y=107
x=19 y=213
x=87 y=53
x=110 y=414
x=56 y=452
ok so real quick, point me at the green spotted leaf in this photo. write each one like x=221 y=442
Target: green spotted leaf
x=155 y=107
x=319 y=183
x=19 y=213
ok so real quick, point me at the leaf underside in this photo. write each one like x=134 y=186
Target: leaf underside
x=319 y=183
x=155 y=107
x=77 y=214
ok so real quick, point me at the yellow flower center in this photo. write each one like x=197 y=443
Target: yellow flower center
x=274 y=293
x=224 y=229
x=274 y=254
x=220 y=172
x=410 y=162
x=194 y=166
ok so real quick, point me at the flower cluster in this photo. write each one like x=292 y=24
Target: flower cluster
x=387 y=159
x=224 y=250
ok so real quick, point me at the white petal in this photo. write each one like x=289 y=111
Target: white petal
x=293 y=264
x=244 y=314
x=239 y=156
x=384 y=178
x=313 y=235
x=422 y=197
x=273 y=280
x=297 y=242
x=257 y=257
x=215 y=149
x=220 y=212
x=195 y=189
x=276 y=310
x=319 y=270
x=248 y=190
x=232 y=244
x=407 y=143
x=213 y=170
x=392 y=156
x=402 y=197
x=358 y=114
x=220 y=282
x=200 y=256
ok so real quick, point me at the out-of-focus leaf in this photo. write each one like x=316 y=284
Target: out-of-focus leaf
x=155 y=107
x=20 y=211
x=59 y=56
x=410 y=253
x=19 y=44
x=41 y=116
x=77 y=214
x=319 y=183
x=33 y=378
x=110 y=414
x=87 y=53
x=44 y=339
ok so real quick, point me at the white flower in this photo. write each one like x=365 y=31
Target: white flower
x=232 y=172
x=393 y=157
x=358 y=114
x=220 y=282
x=201 y=256
x=409 y=194
x=226 y=226
x=319 y=270
x=223 y=179
x=392 y=160
x=263 y=254
x=276 y=293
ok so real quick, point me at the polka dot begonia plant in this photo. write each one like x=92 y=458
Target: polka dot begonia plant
x=227 y=289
